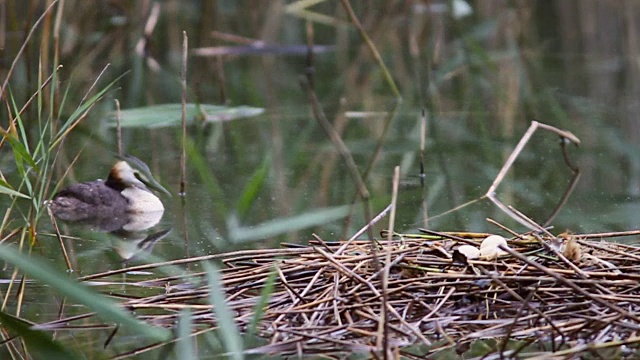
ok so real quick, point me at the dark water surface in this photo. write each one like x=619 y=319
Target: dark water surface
x=258 y=181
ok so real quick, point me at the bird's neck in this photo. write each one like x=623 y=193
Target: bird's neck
x=115 y=184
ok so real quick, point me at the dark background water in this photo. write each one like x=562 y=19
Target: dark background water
x=482 y=78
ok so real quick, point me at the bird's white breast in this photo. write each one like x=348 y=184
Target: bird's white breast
x=141 y=201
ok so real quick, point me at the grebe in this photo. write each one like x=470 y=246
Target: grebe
x=126 y=191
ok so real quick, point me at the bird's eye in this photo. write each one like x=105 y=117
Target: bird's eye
x=139 y=176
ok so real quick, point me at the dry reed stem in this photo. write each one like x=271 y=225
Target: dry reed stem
x=24 y=46
x=183 y=154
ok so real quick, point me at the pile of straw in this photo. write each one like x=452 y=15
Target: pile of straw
x=417 y=295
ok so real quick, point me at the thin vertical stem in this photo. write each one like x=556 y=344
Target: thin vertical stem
x=183 y=155
x=118 y=128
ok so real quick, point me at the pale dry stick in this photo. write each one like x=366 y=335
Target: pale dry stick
x=382 y=336
x=23 y=47
x=338 y=266
x=93 y=85
x=627 y=255
x=491 y=192
x=149 y=26
x=394 y=202
x=570 y=283
x=610 y=234
x=461 y=206
x=423 y=137
x=258 y=254
x=373 y=221
x=44 y=84
x=561 y=257
x=292 y=293
x=568 y=353
x=336 y=295
x=118 y=128
x=304 y=292
x=530 y=221
x=524 y=302
x=382 y=341
x=183 y=154
x=344 y=270
x=376 y=274
x=57 y=232
x=234 y=38
x=322 y=307
x=504 y=228
x=14 y=273
x=439 y=304
x=81 y=117
x=56 y=49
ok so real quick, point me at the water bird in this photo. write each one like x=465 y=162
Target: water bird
x=127 y=190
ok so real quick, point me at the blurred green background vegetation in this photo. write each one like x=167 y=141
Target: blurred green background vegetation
x=483 y=70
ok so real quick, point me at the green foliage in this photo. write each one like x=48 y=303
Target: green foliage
x=265 y=295
x=227 y=327
x=157 y=116
x=185 y=346
x=252 y=189
x=39 y=343
x=104 y=307
x=284 y=225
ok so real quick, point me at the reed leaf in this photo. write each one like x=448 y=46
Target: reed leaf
x=252 y=189
x=104 y=307
x=164 y=115
x=226 y=325
x=185 y=345
x=39 y=344
x=285 y=225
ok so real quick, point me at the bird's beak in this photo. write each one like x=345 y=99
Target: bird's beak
x=145 y=174
x=154 y=185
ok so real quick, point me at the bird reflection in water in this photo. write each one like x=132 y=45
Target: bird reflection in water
x=123 y=205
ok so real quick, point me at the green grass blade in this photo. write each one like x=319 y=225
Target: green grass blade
x=79 y=112
x=252 y=189
x=40 y=345
x=185 y=345
x=104 y=307
x=265 y=295
x=20 y=152
x=163 y=115
x=285 y=225
x=6 y=189
x=198 y=161
x=226 y=324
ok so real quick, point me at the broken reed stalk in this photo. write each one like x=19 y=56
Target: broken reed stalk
x=343 y=150
x=491 y=192
x=510 y=211
x=183 y=154
x=383 y=325
x=56 y=230
x=423 y=139
x=118 y=128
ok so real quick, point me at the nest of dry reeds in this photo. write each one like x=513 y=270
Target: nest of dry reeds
x=542 y=296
